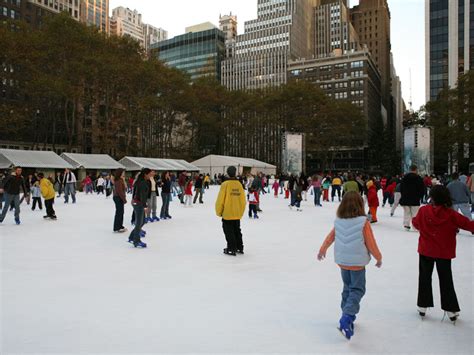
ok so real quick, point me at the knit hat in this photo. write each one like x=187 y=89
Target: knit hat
x=231 y=171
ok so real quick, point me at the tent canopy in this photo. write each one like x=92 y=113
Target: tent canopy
x=137 y=164
x=31 y=159
x=215 y=164
x=91 y=161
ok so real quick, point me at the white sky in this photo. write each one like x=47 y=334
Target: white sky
x=408 y=43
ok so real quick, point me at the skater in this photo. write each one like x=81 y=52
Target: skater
x=165 y=195
x=48 y=192
x=325 y=186
x=297 y=194
x=120 y=199
x=316 y=183
x=36 y=195
x=372 y=200
x=470 y=185
x=389 y=193
x=438 y=224
x=460 y=196
x=69 y=183
x=100 y=184
x=58 y=183
x=108 y=186
x=198 y=189
x=152 y=199
x=354 y=243
x=396 y=200
x=188 y=193
x=87 y=183
x=207 y=181
x=412 y=190
x=12 y=184
x=336 y=188
x=275 y=187
x=350 y=185
x=253 y=198
x=139 y=203
x=182 y=186
x=230 y=206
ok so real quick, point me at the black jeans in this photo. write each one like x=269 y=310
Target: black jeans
x=37 y=200
x=233 y=235
x=165 y=207
x=252 y=210
x=119 y=208
x=336 y=189
x=139 y=219
x=49 y=207
x=198 y=193
x=449 y=301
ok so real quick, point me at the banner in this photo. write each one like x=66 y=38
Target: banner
x=418 y=150
x=292 y=154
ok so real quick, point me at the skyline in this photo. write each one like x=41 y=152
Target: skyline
x=407 y=30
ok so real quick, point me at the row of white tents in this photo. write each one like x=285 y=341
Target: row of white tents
x=49 y=161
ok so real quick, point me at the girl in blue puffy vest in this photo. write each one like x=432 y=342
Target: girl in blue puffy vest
x=354 y=243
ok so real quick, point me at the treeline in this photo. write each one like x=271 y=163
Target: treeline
x=67 y=84
x=452 y=118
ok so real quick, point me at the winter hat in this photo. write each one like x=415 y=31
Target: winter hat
x=231 y=171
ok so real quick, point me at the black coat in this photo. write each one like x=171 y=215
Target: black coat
x=140 y=193
x=412 y=190
x=12 y=185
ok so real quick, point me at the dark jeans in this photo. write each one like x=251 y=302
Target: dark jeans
x=292 y=197
x=139 y=211
x=119 y=208
x=70 y=189
x=37 y=201
x=233 y=234
x=353 y=291
x=165 y=207
x=198 y=193
x=317 y=196
x=49 y=207
x=449 y=301
x=15 y=199
x=252 y=210
x=336 y=189
x=387 y=196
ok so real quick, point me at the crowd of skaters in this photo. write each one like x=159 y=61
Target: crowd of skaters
x=430 y=205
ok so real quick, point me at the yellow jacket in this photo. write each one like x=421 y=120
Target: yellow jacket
x=206 y=179
x=47 y=189
x=230 y=204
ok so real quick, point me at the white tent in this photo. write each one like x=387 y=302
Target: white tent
x=137 y=164
x=32 y=159
x=218 y=164
x=91 y=161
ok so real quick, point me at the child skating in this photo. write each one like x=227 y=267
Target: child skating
x=354 y=243
x=253 y=203
x=438 y=224
x=188 y=193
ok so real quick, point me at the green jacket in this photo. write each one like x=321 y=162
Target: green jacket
x=351 y=186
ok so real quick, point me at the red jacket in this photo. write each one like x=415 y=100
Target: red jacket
x=372 y=197
x=438 y=228
x=254 y=199
x=391 y=188
x=189 y=189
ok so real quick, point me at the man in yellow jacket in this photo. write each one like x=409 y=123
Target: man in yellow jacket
x=230 y=205
x=47 y=190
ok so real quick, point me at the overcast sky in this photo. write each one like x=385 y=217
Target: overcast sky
x=407 y=29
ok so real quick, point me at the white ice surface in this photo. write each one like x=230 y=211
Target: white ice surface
x=72 y=286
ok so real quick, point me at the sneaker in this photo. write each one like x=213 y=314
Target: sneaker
x=346 y=326
x=139 y=244
x=422 y=311
x=229 y=252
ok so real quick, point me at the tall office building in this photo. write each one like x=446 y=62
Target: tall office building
x=283 y=30
x=126 y=22
x=73 y=7
x=449 y=43
x=228 y=25
x=334 y=29
x=95 y=13
x=371 y=19
x=153 y=35
x=199 y=52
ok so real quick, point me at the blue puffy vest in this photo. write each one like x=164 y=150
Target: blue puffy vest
x=350 y=248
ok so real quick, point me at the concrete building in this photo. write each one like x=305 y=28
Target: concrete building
x=198 y=53
x=283 y=30
x=228 y=25
x=449 y=43
x=73 y=7
x=126 y=22
x=353 y=77
x=153 y=35
x=333 y=28
x=95 y=13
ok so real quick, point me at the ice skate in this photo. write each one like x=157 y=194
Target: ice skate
x=139 y=244
x=453 y=316
x=422 y=311
x=229 y=252
x=346 y=326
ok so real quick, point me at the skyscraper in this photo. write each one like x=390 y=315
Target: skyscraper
x=95 y=13
x=126 y=22
x=228 y=25
x=449 y=43
x=283 y=30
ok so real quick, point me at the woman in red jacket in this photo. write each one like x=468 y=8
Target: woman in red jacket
x=438 y=224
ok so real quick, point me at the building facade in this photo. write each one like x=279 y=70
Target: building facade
x=126 y=22
x=353 y=77
x=228 y=25
x=197 y=53
x=449 y=43
x=333 y=28
x=95 y=13
x=153 y=35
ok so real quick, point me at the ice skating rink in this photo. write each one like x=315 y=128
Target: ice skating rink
x=72 y=286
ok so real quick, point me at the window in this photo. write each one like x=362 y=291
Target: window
x=358 y=64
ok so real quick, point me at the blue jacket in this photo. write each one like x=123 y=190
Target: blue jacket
x=349 y=247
